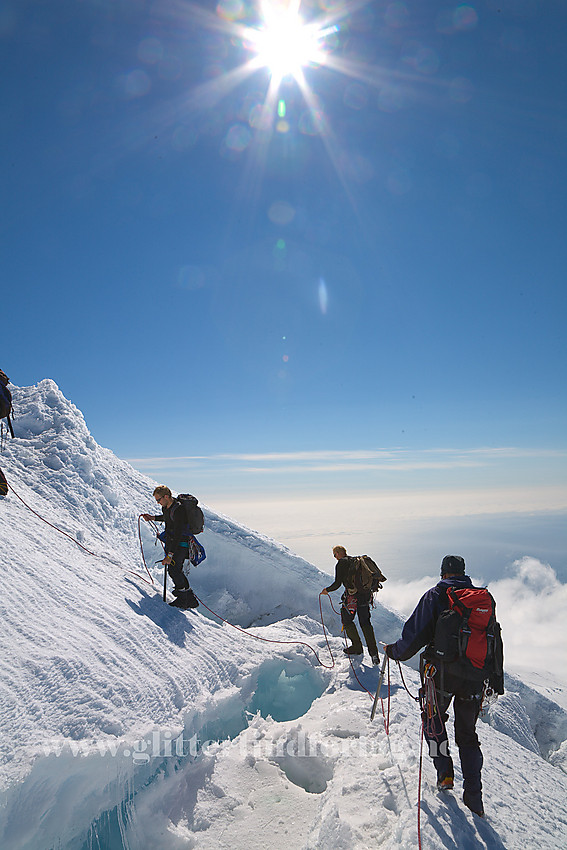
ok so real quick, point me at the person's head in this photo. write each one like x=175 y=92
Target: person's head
x=452 y=565
x=339 y=552
x=162 y=495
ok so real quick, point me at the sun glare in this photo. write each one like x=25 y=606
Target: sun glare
x=285 y=44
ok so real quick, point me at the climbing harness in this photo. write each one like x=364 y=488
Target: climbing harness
x=351 y=603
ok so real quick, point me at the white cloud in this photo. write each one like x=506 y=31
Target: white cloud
x=531 y=606
x=361 y=512
x=402 y=597
x=446 y=482
x=331 y=461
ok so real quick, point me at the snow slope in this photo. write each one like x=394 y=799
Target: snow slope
x=126 y=723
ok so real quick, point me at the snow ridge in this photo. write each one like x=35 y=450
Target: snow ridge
x=129 y=724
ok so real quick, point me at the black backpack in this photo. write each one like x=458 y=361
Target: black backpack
x=193 y=513
x=365 y=575
x=468 y=639
x=5 y=400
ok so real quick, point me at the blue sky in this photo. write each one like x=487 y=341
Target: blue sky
x=376 y=267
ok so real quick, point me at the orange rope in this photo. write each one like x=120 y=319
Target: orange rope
x=257 y=637
x=272 y=640
x=371 y=695
x=84 y=548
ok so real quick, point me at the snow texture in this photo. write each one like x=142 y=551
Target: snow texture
x=129 y=724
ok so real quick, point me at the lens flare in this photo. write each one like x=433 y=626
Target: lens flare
x=285 y=44
x=323 y=296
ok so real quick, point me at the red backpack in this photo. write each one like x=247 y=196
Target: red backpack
x=467 y=635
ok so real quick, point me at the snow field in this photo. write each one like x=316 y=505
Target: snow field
x=128 y=724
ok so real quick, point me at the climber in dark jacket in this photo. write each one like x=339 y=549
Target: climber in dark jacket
x=352 y=604
x=418 y=632
x=176 y=545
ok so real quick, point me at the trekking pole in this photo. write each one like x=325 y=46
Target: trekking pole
x=164 y=583
x=380 y=680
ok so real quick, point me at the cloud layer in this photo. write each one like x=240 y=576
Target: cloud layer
x=531 y=608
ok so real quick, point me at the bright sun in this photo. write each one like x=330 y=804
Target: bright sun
x=285 y=44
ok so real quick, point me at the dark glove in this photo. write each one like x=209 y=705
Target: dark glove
x=389 y=650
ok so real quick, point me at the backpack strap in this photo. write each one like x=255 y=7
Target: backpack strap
x=465 y=612
x=457 y=604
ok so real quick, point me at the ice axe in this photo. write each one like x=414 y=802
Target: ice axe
x=380 y=680
x=160 y=561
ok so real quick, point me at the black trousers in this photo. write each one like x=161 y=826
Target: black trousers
x=347 y=619
x=467 y=700
x=175 y=569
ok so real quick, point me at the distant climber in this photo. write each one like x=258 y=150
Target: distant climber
x=5 y=400
x=176 y=545
x=356 y=599
x=447 y=671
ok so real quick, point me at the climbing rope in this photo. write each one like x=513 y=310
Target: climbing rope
x=349 y=657
x=152 y=524
x=250 y=634
x=432 y=723
x=84 y=548
x=272 y=640
x=419 y=789
x=416 y=699
x=385 y=715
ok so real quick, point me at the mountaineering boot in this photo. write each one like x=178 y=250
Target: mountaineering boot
x=192 y=601
x=445 y=783
x=376 y=660
x=352 y=650
x=352 y=634
x=370 y=639
x=184 y=599
x=474 y=803
x=181 y=600
x=471 y=765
